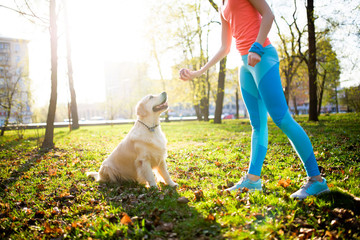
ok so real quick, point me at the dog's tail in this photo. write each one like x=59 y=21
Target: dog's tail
x=94 y=175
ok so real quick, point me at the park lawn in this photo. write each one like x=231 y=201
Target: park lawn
x=47 y=194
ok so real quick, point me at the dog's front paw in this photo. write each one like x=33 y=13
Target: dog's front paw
x=174 y=185
x=153 y=186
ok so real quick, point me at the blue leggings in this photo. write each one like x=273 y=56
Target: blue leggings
x=262 y=93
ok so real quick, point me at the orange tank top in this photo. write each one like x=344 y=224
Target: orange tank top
x=244 y=21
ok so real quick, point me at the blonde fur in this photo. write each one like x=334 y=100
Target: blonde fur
x=142 y=150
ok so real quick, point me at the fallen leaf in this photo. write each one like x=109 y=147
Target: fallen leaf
x=183 y=200
x=199 y=195
x=52 y=229
x=76 y=225
x=40 y=187
x=210 y=218
x=126 y=220
x=28 y=211
x=167 y=227
x=39 y=214
x=284 y=183
x=112 y=218
x=244 y=189
x=55 y=211
x=334 y=223
x=52 y=172
x=69 y=197
x=93 y=201
x=259 y=216
x=330 y=234
x=58 y=154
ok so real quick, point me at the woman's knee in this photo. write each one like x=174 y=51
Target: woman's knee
x=283 y=121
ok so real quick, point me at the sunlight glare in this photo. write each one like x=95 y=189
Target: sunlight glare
x=102 y=32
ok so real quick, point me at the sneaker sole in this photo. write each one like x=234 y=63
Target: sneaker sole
x=256 y=189
x=249 y=190
x=325 y=191
x=302 y=198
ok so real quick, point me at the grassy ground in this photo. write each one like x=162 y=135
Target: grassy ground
x=47 y=195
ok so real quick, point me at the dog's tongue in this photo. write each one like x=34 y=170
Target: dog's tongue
x=163 y=105
x=160 y=106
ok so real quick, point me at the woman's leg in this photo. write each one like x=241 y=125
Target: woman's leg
x=270 y=88
x=259 y=137
x=269 y=84
x=258 y=119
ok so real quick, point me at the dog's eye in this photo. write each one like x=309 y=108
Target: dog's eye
x=151 y=97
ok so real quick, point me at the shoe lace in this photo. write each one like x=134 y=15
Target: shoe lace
x=240 y=181
x=309 y=182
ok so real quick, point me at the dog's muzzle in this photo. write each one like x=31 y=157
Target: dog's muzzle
x=163 y=104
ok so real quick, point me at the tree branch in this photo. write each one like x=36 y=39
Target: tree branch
x=24 y=13
x=214 y=5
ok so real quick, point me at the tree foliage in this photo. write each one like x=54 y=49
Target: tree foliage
x=189 y=25
x=351 y=98
x=294 y=53
x=290 y=53
x=328 y=73
x=12 y=91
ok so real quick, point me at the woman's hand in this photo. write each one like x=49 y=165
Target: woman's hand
x=253 y=59
x=186 y=74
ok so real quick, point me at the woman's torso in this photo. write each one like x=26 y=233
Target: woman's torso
x=244 y=21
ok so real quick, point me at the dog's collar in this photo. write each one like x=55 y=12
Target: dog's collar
x=151 y=129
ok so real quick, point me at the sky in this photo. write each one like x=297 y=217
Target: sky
x=106 y=32
x=110 y=31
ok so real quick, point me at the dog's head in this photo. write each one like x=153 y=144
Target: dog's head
x=152 y=105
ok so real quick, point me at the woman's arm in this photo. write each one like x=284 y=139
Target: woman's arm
x=226 y=38
x=267 y=19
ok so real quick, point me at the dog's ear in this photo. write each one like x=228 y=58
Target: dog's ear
x=140 y=109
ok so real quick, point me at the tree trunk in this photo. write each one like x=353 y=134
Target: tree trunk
x=49 y=132
x=205 y=109
x=295 y=106
x=237 y=103
x=312 y=62
x=287 y=91
x=73 y=105
x=6 y=123
x=220 y=91
x=205 y=97
x=336 y=99
x=347 y=100
x=322 y=86
x=198 y=112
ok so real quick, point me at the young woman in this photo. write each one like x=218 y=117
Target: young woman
x=249 y=22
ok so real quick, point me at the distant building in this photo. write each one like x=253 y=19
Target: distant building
x=125 y=84
x=91 y=111
x=302 y=105
x=14 y=66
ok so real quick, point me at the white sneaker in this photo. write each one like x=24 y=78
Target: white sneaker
x=245 y=182
x=312 y=187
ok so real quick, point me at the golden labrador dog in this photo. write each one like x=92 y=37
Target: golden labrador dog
x=142 y=150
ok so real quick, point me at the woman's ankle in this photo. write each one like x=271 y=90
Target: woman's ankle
x=253 y=177
x=318 y=178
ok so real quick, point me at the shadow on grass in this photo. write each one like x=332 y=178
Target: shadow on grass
x=159 y=214
x=340 y=199
x=16 y=146
x=21 y=170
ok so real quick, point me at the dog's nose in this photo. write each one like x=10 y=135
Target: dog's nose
x=164 y=94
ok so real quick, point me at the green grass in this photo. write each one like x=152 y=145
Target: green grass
x=47 y=195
